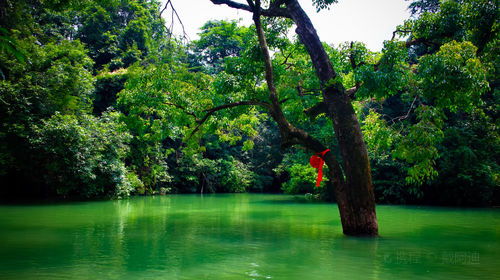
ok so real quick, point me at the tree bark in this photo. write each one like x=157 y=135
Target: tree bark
x=355 y=197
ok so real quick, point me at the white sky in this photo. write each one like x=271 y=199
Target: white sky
x=368 y=21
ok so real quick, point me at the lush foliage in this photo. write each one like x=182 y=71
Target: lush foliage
x=441 y=83
x=97 y=99
x=82 y=156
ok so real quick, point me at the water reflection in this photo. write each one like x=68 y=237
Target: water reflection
x=240 y=237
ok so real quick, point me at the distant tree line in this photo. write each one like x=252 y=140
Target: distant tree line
x=99 y=99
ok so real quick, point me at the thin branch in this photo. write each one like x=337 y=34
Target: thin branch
x=173 y=16
x=184 y=33
x=4 y=102
x=183 y=109
x=210 y=112
x=400 y=118
x=399 y=31
x=273 y=94
x=285 y=62
x=166 y=6
x=274 y=11
x=235 y=104
x=303 y=92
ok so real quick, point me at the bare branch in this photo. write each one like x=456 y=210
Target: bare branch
x=273 y=95
x=184 y=33
x=273 y=11
x=164 y=8
x=400 y=118
x=399 y=31
x=173 y=16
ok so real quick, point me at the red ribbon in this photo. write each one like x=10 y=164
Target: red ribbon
x=317 y=162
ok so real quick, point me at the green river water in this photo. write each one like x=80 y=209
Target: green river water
x=242 y=236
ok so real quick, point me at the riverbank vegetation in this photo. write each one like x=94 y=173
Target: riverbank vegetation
x=99 y=99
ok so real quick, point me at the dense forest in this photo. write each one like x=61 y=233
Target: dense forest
x=99 y=99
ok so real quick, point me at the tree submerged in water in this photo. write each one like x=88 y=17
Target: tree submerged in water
x=352 y=179
x=94 y=110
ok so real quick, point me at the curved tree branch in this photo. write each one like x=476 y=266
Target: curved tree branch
x=210 y=112
x=173 y=16
x=290 y=135
x=183 y=109
x=399 y=31
x=273 y=11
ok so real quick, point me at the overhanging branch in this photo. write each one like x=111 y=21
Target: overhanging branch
x=173 y=16
x=183 y=109
x=399 y=31
x=273 y=11
x=210 y=112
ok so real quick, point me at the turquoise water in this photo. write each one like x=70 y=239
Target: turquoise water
x=242 y=236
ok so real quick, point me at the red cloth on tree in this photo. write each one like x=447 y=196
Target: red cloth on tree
x=317 y=162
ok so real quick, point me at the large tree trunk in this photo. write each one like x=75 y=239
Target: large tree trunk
x=354 y=194
x=353 y=184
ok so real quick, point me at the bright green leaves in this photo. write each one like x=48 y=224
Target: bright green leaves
x=57 y=79
x=66 y=71
x=390 y=75
x=221 y=39
x=378 y=136
x=302 y=179
x=163 y=100
x=443 y=26
x=238 y=128
x=82 y=156
x=419 y=145
x=453 y=78
x=119 y=33
x=472 y=20
x=160 y=103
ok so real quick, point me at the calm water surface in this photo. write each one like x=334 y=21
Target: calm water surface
x=242 y=236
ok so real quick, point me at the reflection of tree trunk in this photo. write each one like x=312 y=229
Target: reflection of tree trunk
x=203 y=182
x=354 y=192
